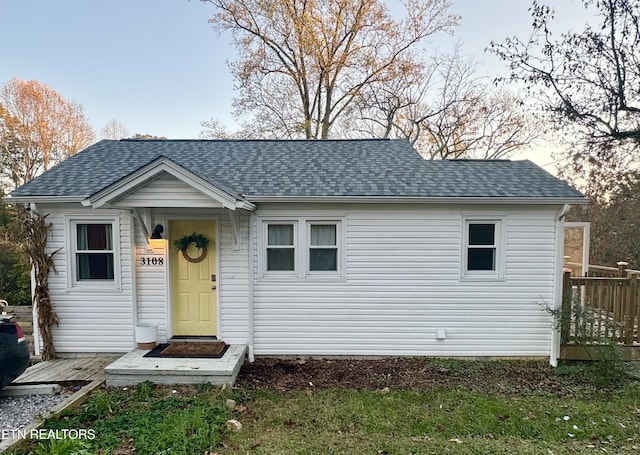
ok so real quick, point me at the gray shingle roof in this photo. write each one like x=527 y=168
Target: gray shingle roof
x=270 y=168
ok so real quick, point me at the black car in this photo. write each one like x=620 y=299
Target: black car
x=14 y=351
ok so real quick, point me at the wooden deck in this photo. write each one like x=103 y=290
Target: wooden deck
x=69 y=371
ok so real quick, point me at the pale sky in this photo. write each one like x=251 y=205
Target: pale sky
x=158 y=67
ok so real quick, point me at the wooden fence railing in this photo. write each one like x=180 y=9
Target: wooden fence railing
x=601 y=270
x=600 y=307
x=23 y=316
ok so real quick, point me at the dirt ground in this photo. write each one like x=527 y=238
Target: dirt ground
x=503 y=377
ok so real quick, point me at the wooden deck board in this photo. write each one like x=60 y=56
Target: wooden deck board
x=77 y=369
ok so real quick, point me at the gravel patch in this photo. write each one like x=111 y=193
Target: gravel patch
x=18 y=412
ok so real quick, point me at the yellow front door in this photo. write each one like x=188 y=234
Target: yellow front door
x=193 y=294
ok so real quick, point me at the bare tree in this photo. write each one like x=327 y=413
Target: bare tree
x=38 y=128
x=586 y=86
x=148 y=137
x=303 y=63
x=448 y=111
x=114 y=130
x=213 y=129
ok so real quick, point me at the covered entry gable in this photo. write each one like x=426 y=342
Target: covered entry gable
x=164 y=183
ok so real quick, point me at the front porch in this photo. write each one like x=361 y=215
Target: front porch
x=133 y=368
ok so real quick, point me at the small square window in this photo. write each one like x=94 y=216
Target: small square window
x=482 y=250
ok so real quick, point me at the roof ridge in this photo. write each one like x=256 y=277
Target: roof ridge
x=373 y=139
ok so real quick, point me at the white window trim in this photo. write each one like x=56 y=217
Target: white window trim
x=339 y=247
x=73 y=284
x=500 y=245
x=265 y=246
x=302 y=244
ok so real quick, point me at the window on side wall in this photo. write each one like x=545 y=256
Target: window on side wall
x=93 y=254
x=483 y=250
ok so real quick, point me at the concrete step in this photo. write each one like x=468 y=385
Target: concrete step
x=133 y=368
x=30 y=389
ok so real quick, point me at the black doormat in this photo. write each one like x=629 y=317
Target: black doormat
x=189 y=350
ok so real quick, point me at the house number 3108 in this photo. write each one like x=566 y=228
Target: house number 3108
x=152 y=261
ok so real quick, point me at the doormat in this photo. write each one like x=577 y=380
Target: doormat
x=189 y=350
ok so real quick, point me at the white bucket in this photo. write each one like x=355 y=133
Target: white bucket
x=146 y=335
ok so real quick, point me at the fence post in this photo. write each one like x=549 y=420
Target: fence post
x=621 y=268
x=630 y=308
x=565 y=311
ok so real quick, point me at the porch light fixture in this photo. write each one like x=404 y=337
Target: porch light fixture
x=157 y=232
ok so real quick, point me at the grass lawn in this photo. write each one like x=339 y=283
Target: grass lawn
x=577 y=417
x=437 y=421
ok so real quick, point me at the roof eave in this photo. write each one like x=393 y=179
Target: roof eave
x=43 y=199
x=423 y=200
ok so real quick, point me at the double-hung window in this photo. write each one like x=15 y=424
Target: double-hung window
x=281 y=247
x=302 y=247
x=483 y=254
x=93 y=253
x=323 y=247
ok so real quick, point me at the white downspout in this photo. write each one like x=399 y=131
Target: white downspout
x=557 y=294
x=251 y=261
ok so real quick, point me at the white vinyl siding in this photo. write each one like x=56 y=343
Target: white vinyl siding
x=91 y=318
x=233 y=284
x=166 y=191
x=151 y=283
x=403 y=283
x=400 y=282
x=232 y=279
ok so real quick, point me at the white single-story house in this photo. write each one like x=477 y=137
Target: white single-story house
x=315 y=248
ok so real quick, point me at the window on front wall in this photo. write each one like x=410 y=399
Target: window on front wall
x=94 y=253
x=302 y=247
x=323 y=248
x=281 y=250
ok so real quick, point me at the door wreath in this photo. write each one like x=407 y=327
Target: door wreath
x=201 y=242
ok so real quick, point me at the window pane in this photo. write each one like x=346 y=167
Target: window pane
x=280 y=259
x=95 y=266
x=482 y=234
x=323 y=234
x=323 y=259
x=94 y=237
x=481 y=259
x=280 y=234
